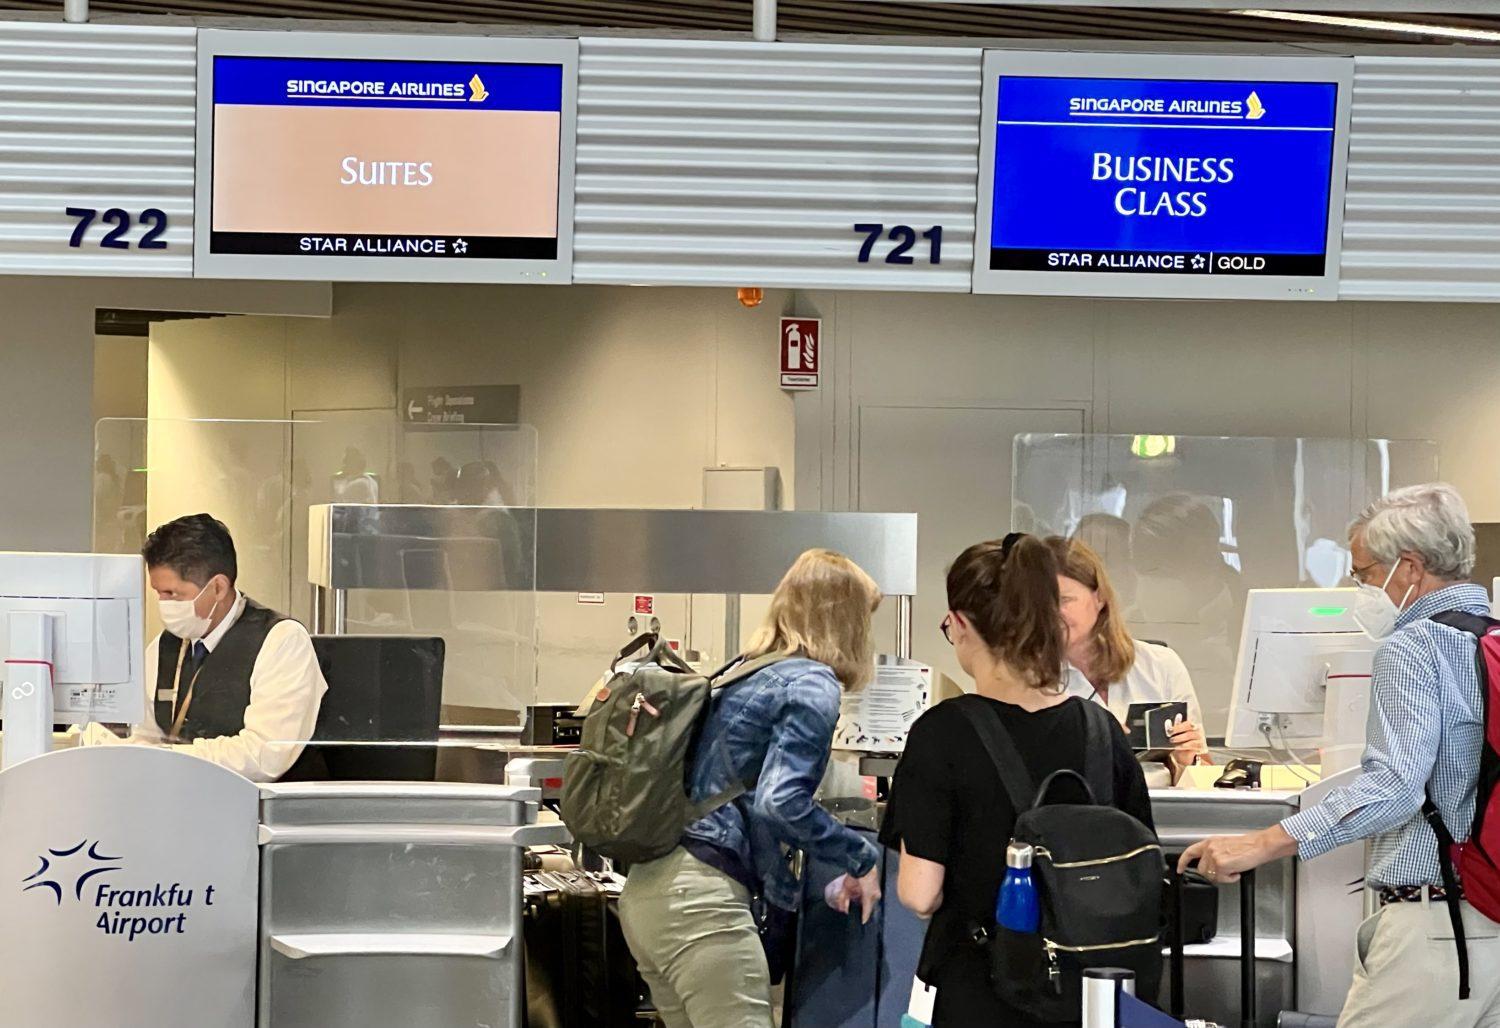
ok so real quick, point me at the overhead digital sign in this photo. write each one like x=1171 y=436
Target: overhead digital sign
x=366 y=157
x=1144 y=175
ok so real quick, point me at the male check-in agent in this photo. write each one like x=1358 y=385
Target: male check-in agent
x=233 y=682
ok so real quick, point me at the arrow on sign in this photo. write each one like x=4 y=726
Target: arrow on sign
x=412 y=410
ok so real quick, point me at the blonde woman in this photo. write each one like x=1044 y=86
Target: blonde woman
x=1107 y=665
x=687 y=916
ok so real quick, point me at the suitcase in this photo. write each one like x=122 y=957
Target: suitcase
x=579 y=971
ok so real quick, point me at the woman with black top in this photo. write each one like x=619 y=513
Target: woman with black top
x=949 y=813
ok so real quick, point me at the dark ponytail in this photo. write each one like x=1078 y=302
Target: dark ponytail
x=1008 y=591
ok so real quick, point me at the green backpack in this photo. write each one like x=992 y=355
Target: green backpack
x=624 y=790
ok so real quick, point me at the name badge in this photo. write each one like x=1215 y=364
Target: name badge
x=165 y=694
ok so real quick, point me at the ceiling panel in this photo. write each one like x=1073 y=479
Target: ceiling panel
x=803 y=16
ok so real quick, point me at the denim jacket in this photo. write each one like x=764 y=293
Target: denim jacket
x=773 y=731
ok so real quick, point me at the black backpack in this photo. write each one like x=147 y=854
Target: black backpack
x=1099 y=875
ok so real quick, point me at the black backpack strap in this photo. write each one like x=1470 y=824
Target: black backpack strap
x=1450 y=885
x=1478 y=626
x=1099 y=751
x=1014 y=776
x=1065 y=773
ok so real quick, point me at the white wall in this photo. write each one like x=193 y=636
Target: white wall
x=47 y=380
x=1405 y=371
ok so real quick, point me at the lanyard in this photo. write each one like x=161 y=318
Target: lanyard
x=187 y=701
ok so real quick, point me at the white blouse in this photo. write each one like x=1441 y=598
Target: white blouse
x=1157 y=676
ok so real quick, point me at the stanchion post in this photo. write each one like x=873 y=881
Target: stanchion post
x=1248 y=1013
x=1178 y=1001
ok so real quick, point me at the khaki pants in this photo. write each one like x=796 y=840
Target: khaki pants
x=1406 y=971
x=690 y=929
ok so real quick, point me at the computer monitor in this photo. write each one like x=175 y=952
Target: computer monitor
x=1302 y=678
x=72 y=636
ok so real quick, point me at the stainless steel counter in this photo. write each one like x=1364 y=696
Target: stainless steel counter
x=386 y=905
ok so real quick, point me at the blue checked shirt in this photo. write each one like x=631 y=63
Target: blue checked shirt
x=1425 y=730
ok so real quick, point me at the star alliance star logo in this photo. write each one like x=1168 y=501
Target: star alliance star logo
x=51 y=864
x=1198 y=262
x=460 y=246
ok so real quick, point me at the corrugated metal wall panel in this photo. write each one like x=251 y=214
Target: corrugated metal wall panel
x=94 y=116
x=710 y=163
x=1422 y=211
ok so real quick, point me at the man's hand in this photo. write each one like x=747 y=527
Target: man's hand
x=1224 y=858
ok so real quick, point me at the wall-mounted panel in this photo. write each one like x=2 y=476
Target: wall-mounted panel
x=97 y=118
x=1422 y=209
x=363 y=157
x=1162 y=175
x=744 y=164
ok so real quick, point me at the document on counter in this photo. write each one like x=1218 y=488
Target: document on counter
x=877 y=718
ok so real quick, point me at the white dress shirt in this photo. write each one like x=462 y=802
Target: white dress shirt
x=286 y=691
x=1157 y=676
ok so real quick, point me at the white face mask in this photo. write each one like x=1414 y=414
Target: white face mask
x=180 y=617
x=1375 y=611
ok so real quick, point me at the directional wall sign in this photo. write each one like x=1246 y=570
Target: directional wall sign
x=462 y=405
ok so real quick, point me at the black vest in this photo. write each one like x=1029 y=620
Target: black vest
x=222 y=691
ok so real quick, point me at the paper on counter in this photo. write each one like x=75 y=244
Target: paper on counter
x=877 y=718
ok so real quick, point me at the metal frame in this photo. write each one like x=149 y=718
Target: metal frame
x=1338 y=70
x=360 y=46
x=727 y=552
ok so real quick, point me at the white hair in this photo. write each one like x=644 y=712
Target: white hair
x=1429 y=520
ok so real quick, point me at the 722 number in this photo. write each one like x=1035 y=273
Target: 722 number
x=905 y=237
x=115 y=239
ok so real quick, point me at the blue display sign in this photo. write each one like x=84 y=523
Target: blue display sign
x=1162 y=176
x=335 y=82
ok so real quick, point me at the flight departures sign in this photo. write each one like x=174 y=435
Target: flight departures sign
x=462 y=405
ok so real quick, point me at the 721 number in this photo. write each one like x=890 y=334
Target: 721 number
x=905 y=237
x=115 y=239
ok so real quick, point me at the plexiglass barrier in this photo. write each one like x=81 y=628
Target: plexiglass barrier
x=261 y=477
x=1187 y=524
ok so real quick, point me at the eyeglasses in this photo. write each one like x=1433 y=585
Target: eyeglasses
x=945 y=626
x=1358 y=574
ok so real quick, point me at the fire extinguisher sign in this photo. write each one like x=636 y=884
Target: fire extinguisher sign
x=801 y=352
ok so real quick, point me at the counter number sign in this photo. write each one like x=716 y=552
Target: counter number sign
x=801 y=343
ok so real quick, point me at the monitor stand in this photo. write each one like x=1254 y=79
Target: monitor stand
x=28 y=688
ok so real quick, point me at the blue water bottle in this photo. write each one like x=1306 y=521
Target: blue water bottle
x=1017 y=907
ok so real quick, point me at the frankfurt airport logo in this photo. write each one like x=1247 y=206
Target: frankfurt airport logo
x=1249 y=109
x=81 y=868
x=77 y=874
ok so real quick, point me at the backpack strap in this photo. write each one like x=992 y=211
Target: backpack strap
x=1014 y=777
x=1450 y=885
x=1478 y=626
x=737 y=670
x=1099 y=730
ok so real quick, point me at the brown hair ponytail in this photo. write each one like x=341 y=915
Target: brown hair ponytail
x=1008 y=590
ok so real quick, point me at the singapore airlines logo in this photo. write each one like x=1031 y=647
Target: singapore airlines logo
x=84 y=866
x=478 y=94
x=1254 y=109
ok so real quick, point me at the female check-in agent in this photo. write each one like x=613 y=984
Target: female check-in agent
x=1107 y=666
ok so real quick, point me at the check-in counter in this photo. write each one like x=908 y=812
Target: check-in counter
x=853 y=976
x=390 y=904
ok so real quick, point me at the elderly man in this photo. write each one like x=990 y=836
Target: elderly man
x=1412 y=553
